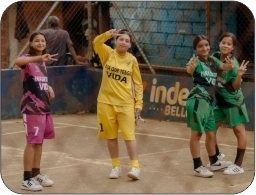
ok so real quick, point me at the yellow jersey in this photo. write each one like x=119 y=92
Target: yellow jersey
x=121 y=83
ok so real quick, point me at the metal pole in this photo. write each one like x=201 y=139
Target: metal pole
x=89 y=11
x=219 y=20
x=100 y=19
x=207 y=22
x=136 y=42
x=38 y=27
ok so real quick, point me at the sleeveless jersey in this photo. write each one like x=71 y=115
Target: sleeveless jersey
x=35 y=89
x=204 y=79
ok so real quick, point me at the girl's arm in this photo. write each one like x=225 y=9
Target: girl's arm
x=101 y=48
x=138 y=87
x=23 y=60
x=191 y=65
x=27 y=59
x=240 y=72
x=51 y=94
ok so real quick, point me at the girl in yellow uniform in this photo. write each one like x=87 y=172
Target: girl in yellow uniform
x=119 y=98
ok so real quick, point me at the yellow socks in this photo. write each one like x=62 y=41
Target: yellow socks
x=115 y=162
x=135 y=164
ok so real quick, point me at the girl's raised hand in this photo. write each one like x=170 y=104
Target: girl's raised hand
x=49 y=57
x=230 y=63
x=243 y=68
x=114 y=32
x=193 y=62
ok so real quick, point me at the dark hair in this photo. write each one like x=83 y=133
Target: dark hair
x=228 y=34
x=125 y=31
x=198 y=38
x=31 y=50
x=53 y=21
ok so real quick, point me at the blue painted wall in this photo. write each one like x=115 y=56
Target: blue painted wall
x=76 y=89
x=165 y=29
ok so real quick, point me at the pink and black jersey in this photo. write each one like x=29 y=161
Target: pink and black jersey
x=35 y=89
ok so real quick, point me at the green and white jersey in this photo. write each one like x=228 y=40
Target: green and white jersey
x=204 y=78
x=227 y=96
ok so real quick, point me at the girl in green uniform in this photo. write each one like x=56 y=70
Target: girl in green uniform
x=231 y=108
x=200 y=104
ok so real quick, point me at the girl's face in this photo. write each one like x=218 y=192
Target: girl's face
x=203 y=48
x=38 y=43
x=123 y=43
x=226 y=45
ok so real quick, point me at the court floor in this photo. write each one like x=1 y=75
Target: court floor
x=79 y=163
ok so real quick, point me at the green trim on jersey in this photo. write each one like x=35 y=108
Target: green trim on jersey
x=204 y=78
x=227 y=96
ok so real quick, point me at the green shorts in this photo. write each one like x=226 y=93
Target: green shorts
x=113 y=118
x=231 y=116
x=200 y=115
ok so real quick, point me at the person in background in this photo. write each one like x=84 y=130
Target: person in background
x=120 y=98
x=35 y=110
x=95 y=59
x=59 y=42
x=231 y=108
x=200 y=105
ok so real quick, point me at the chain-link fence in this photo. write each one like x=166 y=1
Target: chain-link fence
x=162 y=31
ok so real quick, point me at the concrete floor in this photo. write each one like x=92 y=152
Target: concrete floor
x=79 y=163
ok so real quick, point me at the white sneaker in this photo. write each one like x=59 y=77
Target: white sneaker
x=233 y=169
x=203 y=172
x=220 y=164
x=43 y=180
x=134 y=173
x=115 y=173
x=221 y=156
x=31 y=185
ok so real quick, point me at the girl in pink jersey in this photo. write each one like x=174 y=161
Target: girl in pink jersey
x=35 y=110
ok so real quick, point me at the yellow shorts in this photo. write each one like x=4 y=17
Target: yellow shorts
x=113 y=118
